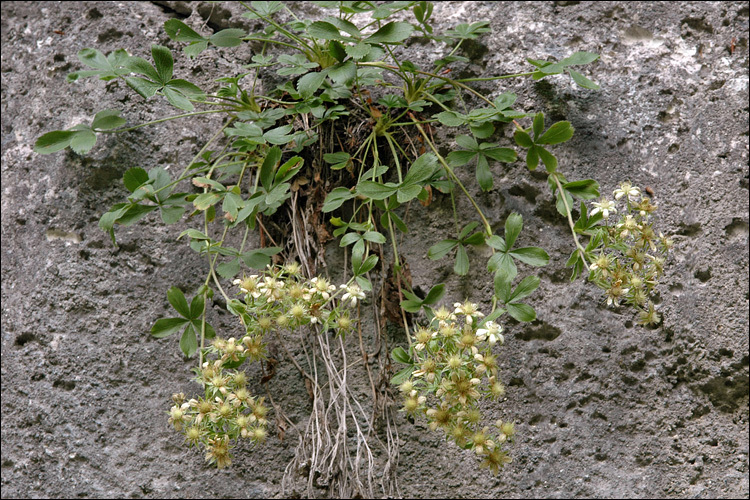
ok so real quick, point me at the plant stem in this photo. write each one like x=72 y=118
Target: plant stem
x=571 y=224
x=487 y=227
x=153 y=122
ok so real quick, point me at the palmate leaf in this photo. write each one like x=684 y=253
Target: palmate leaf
x=393 y=32
x=106 y=68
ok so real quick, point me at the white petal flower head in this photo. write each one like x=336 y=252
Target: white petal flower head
x=322 y=286
x=627 y=189
x=491 y=331
x=605 y=206
x=353 y=294
x=469 y=309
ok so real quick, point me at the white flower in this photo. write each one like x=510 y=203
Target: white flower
x=605 y=206
x=469 y=309
x=491 y=331
x=628 y=225
x=353 y=294
x=626 y=188
x=321 y=286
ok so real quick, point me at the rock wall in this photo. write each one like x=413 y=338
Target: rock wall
x=603 y=408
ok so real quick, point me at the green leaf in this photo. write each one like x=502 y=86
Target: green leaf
x=336 y=198
x=502 y=262
x=134 y=177
x=145 y=88
x=401 y=356
x=411 y=306
x=513 y=226
x=107 y=120
x=467 y=229
x=107 y=68
x=441 y=249
x=549 y=160
x=196 y=306
x=376 y=190
x=358 y=51
x=52 y=142
x=195 y=48
x=482 y=131
x=269 y=166
x=134 y=213
x=505 y=155
x=344 y=25
x=325 y=31
x=460 y=158
x=534 y=256
x=189 y=90
x=289 y=169
x=504 y=101
x=557 y=133
x=189 y=342
x=582 y=81
x=231 y=37
x=308 y=84
x=525 y=288
x=374 y=237
x=408 y=193
x=521 y=312
x=461 y=267
x=475 y=239
x=492 y=316
x=177 y=299
x=484 y=175
x=503 y=286
x=402 y=376
x=181 y=32
x=171 y=214
x=83 y=140
x=538 y=124
x=142 y=67
x=279 y=135
x=229 y=269
x=579 y=58
x=205 y=200
x=343 y=73
x=532 y=158
x=435 y=294
x=177 y=100
x=349 y=238
x=366 y=265
x=467 y=142
x=586 y=189
x=497 y=243
x=163 y=62
x=259 y=258
x=451 y=119
x=165 y=327
x=523 y=139
x=392 y=32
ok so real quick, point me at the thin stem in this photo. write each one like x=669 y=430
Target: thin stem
x=571 y=224
x=487 y=227
x=153 y=122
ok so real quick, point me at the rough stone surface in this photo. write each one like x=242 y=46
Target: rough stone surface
x=604 y=408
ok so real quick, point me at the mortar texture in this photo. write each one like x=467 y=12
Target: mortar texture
x=603 y=407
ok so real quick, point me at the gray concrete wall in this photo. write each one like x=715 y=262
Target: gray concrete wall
x=603 y=408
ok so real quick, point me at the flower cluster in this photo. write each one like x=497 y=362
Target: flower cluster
x=281 y=299
x=226 y=412
x=453 y=369
x=278 y=300
x=628 y=257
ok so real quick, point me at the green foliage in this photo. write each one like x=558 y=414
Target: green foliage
x=319 y=137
